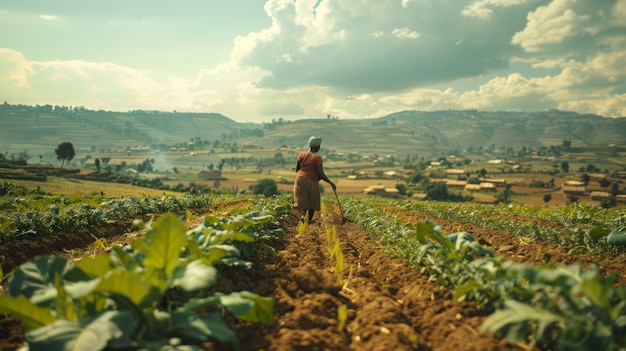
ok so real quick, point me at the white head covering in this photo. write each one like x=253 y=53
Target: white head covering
x=315 y=141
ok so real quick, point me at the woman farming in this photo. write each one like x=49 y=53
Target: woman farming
x=309 y=171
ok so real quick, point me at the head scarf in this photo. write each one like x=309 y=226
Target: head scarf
x=315 y=141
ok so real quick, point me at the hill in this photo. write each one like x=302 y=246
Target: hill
x=38 y=130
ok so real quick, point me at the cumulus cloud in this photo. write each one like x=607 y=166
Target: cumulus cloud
x=343 y=45
x=96 y=85
x=483 y=9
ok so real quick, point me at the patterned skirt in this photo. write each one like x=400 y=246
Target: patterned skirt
x=306 y=193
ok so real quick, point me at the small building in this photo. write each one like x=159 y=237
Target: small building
x=574 y=189
x=496 y=181
x=472 y=187
x=596 y=176
x=456 y=183
x=488 y=186
x=599 y=195
x=379 y=189
x=455 y=172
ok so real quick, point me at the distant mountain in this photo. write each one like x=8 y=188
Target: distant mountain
x=433 y=132
x=39 y=129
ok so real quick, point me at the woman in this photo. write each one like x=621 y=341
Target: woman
x=309 y=171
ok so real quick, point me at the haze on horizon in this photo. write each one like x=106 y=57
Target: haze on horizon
x=255 y=61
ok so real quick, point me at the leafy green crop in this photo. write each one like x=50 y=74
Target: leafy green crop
x=564 y=308
x=124 y=300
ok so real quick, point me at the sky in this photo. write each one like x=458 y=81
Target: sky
x=255 y=61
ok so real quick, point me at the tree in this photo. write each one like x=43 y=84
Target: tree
x=266 y=187
x=505 y=195
x=585 y=178
x=547 y=198
x=436 y=191
x=565 y=166
x=97 y=162
x=65 y=151
x=401 y=189
x=605 y=183
x=614 y=189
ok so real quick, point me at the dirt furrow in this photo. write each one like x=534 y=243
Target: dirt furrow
x=390 y=307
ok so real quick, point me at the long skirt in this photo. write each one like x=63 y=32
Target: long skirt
x=306 y=193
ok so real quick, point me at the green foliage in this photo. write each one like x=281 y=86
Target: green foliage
x=65 y=151
x=617 y=238
x=38 y=216
x=436 y=191
x=266 y=187
x=564 y=308
x=126 y=300
x=571 y=309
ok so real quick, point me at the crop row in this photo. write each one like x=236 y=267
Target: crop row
x=32 y=216
x=155 y=294
x=564 y=308
x=585 y=228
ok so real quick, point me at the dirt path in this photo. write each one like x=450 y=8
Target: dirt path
x=389 y=307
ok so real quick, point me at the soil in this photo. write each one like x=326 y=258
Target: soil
x=389 y=306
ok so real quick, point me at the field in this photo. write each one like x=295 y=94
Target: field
x=358 y=279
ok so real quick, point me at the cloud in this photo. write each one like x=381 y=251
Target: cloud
x=343 y=45
x=14 y=70
x=405 y=33
x=50 y=18
x=483 y=9
x=567 y=27
x=100 y=85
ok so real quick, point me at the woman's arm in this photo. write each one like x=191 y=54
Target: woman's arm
x=322 y=175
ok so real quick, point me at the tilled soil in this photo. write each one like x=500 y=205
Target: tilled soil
x=389 y=306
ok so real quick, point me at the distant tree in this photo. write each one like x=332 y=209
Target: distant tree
x=436 y=191
x=586 y=178
x=567 y=144
x=65 y=151
x=97 y=162
x=482 y=172
x=401 y=188
x=609 y=203
x=565 y=166
x=266 y=187
x=615 y=189
x=572 y=198
x=604 y=182
x=416 y=177
x=505 y=195
x=547 y=198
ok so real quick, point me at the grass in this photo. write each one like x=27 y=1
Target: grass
x=58 y=185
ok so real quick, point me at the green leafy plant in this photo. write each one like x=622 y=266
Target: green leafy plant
x=122 y=300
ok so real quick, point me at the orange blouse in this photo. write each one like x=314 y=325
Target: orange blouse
x=308 y=165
